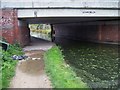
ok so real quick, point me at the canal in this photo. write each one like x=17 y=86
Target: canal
x=96 y=64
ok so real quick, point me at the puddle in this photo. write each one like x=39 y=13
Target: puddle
x=34 y=53
x=30 y=72
x=30 y=66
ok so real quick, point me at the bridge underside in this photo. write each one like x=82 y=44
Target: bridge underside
x=96 y=29
x=65 y=20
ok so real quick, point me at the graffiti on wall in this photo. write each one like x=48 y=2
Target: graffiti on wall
x=6 y=21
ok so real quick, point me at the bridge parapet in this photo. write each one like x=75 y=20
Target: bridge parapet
x=60 y=4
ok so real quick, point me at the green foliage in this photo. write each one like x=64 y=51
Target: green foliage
x=61 y=75
x=39 y=26
x=8 y=65
x=3 y=39
x=41 y=31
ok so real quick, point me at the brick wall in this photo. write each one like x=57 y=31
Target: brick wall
x=97 y=32
x=24 y=33
x=13 y=30
x=109 y=33
x=9 y=25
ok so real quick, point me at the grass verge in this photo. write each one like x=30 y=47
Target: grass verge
x=8 y=65
x=60 y=73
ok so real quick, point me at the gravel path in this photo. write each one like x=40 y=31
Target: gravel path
x=30 y=72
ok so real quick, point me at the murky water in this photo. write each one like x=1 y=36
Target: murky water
x=96 y=64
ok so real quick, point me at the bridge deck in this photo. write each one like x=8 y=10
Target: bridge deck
x=64 y=8
x=60 y=4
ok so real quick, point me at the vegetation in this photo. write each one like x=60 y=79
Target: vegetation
x=96 y=64
x=40 y=31
x=8 y=64
x=61 y=74
x=40 y=26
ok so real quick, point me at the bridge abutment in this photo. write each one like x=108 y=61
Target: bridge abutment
x=12 y=29
x=109 y=32
x=24 y=33
x=9 y=25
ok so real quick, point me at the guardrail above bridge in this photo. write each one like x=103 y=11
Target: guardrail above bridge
x=60 y=4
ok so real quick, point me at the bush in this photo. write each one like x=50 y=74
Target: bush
x=8 y=65
x=61 y=75
x=33 y=30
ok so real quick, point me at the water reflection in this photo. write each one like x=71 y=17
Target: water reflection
x=41 y=35
x=96 y=64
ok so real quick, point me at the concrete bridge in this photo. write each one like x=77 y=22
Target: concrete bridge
x=89 y=20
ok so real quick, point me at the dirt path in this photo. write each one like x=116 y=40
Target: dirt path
x=30 y=72
x=38 y=44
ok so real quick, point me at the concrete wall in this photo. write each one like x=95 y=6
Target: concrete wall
x=64 y=8
x=92 y=31
x=13 y=30
x=59 y=3
x=64 y=12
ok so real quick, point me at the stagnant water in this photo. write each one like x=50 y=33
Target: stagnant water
x=96 y=64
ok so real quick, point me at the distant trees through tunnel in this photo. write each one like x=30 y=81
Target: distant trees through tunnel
x=42 y=31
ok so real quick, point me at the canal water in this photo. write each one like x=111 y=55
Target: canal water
x=41 y=35
x=96 y=64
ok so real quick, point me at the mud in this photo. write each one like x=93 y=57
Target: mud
x=30 y=72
